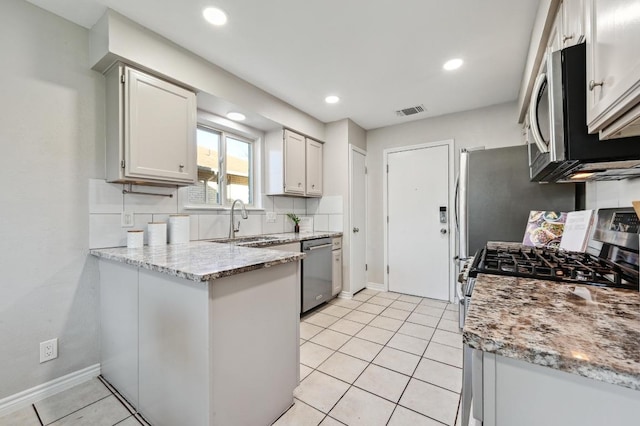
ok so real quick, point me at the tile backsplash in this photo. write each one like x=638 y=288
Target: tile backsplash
x=107 y=202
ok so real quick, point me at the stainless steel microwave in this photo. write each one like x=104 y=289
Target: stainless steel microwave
x=562 y=149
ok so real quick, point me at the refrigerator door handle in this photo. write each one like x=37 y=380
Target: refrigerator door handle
x=456 y=205
x=462 y=205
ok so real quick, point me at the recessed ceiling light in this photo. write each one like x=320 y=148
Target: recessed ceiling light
x=332 y=99
x=214 y=16
x=453 y=64
x=236 y=116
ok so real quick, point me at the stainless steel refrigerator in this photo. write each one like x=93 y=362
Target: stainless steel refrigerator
x=494 y=197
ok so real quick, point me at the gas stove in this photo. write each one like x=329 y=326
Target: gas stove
x=555 y=265
x=611 y=261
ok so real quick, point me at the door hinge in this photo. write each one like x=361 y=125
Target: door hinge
x=387 y=269
x=365 y=171
x=366 y=267
x=122 y=164
x=122 y=78
x=387 y=219
x=387 y=168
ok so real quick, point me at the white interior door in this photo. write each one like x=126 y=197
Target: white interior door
x=358 y=222
x=417 y=242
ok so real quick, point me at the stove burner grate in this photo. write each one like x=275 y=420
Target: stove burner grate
x=551 y=264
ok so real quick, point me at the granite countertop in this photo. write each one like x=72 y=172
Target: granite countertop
x=198 y=260
x=546 y=323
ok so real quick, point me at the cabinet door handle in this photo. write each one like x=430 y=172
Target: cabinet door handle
x=593 y=84
x=567 y=37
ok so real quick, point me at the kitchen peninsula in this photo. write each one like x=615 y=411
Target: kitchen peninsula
x=201 y=333
x=552 y=353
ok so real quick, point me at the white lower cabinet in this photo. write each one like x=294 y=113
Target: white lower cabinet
x=336 y=266
x=516 y=392
x=223 y=352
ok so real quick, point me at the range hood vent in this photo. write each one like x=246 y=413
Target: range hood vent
x=411 y=110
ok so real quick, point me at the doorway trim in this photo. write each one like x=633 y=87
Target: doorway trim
x=346 y=260
x=449 y=143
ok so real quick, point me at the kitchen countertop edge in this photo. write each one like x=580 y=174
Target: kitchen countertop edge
x=192 y=261
x=496 y=327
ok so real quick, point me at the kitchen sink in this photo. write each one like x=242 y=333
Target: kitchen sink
x=247 y=240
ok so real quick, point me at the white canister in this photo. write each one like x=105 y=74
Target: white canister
x=178 y=228
x=135 y=238
x=157 y=233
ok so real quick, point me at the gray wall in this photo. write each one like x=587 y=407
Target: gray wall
x=492 y=127
x=51 y=128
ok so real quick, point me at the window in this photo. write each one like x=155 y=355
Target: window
x=225 y=169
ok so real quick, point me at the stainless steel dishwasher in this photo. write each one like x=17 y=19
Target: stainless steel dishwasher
x=316 y=273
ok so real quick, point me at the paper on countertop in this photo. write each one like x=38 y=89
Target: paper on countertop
x=577 y=230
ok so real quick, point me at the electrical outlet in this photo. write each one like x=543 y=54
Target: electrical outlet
x=126 y=220
x=48 y=350
x=271 y=217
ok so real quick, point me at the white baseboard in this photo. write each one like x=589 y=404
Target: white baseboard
x=345 y=295
x=37 y=393
x=376 y=286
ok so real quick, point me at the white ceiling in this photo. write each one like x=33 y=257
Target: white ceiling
x=377 y=55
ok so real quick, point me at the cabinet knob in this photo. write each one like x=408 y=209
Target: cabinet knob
x=356 y=230
x=181 y=167
x=299 y=184
x=313 y=186
x=593 y=84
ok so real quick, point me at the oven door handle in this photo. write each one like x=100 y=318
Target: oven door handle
x=533 y=116
x=319 y=247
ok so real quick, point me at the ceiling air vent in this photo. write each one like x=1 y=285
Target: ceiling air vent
x=410 y=111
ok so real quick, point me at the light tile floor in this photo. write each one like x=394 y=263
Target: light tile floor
x=379 y=359
x=89 y=403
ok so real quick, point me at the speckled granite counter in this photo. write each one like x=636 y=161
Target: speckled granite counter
x=545 y=323
x=198 y=260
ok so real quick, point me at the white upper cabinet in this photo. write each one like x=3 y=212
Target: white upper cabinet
x=613 y=67
x=293 y=164
x=314 y=168
x=573 y=14
x=555 y=41
x=151 y=129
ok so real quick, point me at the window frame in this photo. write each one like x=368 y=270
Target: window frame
x=226 y=128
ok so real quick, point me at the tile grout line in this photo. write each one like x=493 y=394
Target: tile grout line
x=37 y=414
x=75 y=411
x=129 y=407
x=369 y=363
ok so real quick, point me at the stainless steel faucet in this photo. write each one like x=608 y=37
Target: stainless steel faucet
x=243 y=211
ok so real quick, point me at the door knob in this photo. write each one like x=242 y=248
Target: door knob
x=356 y=229
x=443 y=231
